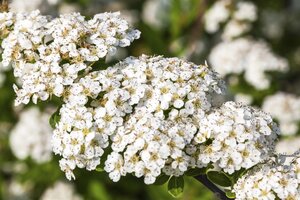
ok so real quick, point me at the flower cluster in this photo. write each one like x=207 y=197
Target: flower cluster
x=286 y=109
x=254 y=58
x=238 y=16
x=31 y=137
x=61 y=191
x=148 y=108
x=270 y=181
x=236 y=136
x=49 y=54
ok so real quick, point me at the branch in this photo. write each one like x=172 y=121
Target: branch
x=212 y=187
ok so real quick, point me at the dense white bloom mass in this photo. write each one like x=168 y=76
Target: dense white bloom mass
x=31 y=137
x=254 y=58
x=235 y=137
x=286 y=109
x=61 y=191
x=153 y=112
x=148 y=108
x=270 y=181
x=48 y=54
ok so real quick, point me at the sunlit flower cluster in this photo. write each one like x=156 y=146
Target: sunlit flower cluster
x=286 y=109
x=48 y=54
x=61 y=191
x=236 y=136
x=238 y=16
x=148 y=108
x=254 y=58
x=270 y=181
x=31 y=137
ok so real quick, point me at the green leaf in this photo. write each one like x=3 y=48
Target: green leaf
x=97 y=190
x=99 y=169
x=219 y=178
x=162 y=179
x=195 y=171
x=175 y=186
x=230 y=195
x=54 y=119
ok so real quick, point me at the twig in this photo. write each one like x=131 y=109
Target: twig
x=212 y=187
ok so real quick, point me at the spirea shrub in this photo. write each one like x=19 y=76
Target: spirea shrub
x=149 y=116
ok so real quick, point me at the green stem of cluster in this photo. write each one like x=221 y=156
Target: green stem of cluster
x=212 y=187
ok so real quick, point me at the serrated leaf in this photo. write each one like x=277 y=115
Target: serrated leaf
x=219 y=178
x=162 y=179
x=230 y=195
x=176 y=186
x=54 y=119
x=195 y=171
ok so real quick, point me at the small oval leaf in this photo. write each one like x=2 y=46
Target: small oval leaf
x=162 y=179
x=176 y=186
x=230 y=195
x=99 y=169
x=219 y=178
x=54 y=119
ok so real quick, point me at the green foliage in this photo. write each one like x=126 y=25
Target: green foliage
x=219 y=178
x=54 y=119
x=162 y=179
x=176 y=186
x=230 y=194
x=195 y=171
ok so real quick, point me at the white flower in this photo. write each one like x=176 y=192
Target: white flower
x=31 y=136
x=114 y=166
x=237 y=14
x=245 y=11
x=240 y=136
x=243 y=98
x=245 y=55
x=48 y=54
x=269 y=181
x=234 y=29
x=154 y=12
x=286 y=109
x=138 y=106
x=60 y=191
x=217 y=14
